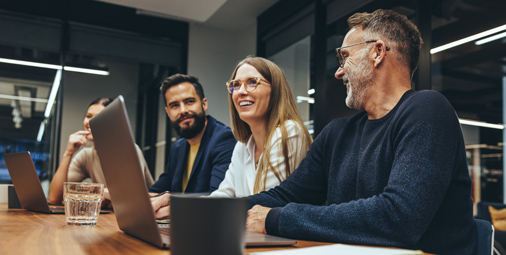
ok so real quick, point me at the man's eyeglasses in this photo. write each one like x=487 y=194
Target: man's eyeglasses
x=251 y=84
x=342 y=58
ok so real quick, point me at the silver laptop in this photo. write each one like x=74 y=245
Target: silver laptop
x=27 y=183
x=121 y=165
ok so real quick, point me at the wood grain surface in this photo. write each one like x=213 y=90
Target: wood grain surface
x=25 y=232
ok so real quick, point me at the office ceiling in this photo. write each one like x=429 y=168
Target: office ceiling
x=232 y=15
x=189 y=10
x=470 y=76
x=21 y=118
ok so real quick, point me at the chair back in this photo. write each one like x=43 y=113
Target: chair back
x=483 y=212
x=485 y=237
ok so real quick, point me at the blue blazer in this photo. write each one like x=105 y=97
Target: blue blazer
x=211 y=162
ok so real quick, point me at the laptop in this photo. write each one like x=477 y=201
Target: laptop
x=27 y=184
x=121 y=165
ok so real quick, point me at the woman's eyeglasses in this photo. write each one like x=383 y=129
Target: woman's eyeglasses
x=251 y=84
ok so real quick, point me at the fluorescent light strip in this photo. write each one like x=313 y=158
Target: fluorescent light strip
x=480 y=124
x=468 y=39
x=50 y=102
x=28 y=63
x=54 y=67
x=489 y=39
x=54 y=91
x=20 y=98
x=41 y=131
x=85 y=70
x=308 y=99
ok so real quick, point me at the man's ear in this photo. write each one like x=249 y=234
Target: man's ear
x=380 y=52
x=204 y=104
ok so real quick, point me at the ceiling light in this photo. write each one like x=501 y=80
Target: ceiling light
x=41 y=131
x=468 y=39
x=310 y=92
x=52 y=96
x=49 y=106
x=29 y=63
x=309 y=122
x=20 y=98
x=54 y=67
x=308 y=99
x=480 y=124
x=489 y=39
x=85 y=70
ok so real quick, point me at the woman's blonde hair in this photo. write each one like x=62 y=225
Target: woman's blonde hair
x=282 y=107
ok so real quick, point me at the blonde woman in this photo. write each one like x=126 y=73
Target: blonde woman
x=272 y=139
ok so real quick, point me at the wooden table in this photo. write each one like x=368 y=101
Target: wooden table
x=25 y=232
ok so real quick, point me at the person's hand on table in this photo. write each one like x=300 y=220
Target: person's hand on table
x=161 y=205
x=106 y=204
x=256 y=219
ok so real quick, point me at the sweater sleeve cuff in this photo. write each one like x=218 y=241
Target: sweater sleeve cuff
x=272 y=221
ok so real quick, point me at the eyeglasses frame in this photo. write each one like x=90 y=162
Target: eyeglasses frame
x=258 y=79
x=338 y=51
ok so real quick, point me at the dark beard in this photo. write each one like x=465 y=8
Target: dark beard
x=193 y=130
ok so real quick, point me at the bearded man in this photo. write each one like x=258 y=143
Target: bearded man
x=393 y=175
x=199 y=159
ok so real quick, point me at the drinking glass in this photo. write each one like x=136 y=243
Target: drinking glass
x=82 y=202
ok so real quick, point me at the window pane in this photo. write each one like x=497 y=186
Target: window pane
x=295 y=63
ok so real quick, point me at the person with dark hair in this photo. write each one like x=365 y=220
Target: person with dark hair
x=198 y=161
x=85 y=163
x=394 y=174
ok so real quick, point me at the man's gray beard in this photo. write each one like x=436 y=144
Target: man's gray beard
x=359 y=79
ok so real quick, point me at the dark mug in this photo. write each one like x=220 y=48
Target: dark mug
x=207 y=225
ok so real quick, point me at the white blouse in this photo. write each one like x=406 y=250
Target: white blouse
x=240 y=178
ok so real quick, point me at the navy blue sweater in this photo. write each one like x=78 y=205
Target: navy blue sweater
x=399 y=181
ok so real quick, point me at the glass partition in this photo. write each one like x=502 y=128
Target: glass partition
x=295 y=63
x=463 y=58
x=82 y=58
x=28 y=88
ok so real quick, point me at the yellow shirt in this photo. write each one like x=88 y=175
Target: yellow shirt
x=191 y=159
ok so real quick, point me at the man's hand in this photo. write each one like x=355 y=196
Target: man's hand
x=256 y=219
x=161 y=206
